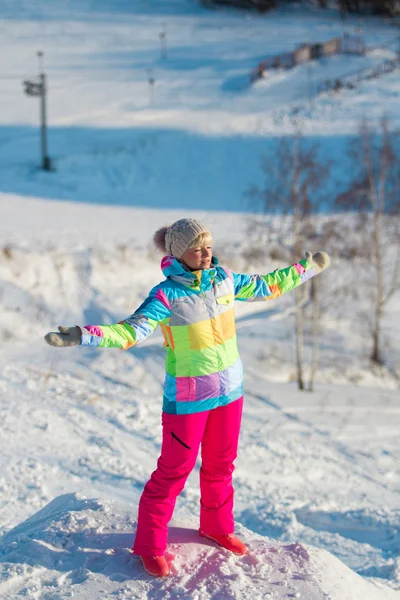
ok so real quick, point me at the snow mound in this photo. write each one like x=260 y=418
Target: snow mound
x=81 y=547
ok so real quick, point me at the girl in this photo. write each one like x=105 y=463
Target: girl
x=203 y=389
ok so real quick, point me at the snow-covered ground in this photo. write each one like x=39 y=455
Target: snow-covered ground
x=197 y=140
x=317 y=478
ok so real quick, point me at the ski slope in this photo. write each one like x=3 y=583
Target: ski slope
x=198 y=139
x=317 y=478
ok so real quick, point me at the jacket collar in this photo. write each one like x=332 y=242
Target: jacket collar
x=199 y=280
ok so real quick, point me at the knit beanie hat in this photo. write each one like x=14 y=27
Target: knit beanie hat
x=177 y=238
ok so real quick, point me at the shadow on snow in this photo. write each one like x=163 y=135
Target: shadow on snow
x=144 y=167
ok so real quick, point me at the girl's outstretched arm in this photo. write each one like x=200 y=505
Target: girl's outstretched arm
x=252 y=288
x=126 y=333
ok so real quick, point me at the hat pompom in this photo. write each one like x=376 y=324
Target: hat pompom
x=159 y=239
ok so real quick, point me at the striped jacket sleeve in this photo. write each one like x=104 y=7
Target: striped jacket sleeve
x=252 y=288
x=134 y=329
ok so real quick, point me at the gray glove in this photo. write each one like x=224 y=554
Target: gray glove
x=68 y=336
x=319 y=260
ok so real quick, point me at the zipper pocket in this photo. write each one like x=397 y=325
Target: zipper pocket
x=174 y=436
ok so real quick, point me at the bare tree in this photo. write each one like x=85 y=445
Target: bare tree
x=315 y=332
x=375 y=194
x=377 y=7
x=294 y=178
x=259 y=5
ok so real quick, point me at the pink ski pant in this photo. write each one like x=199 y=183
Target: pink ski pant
x=217 y=431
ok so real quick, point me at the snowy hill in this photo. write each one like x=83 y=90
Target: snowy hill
x=317 y=478
x=314 y=470
x=83 y=545
x=197 y=139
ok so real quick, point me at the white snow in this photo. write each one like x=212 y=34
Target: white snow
x=317 y=478
x=81 y=544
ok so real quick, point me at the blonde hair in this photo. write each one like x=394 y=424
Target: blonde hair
x=202 y=240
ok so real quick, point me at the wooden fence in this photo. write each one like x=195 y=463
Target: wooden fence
x=307 y=52
x=351 y=80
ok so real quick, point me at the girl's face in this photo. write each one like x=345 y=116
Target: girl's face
x=197 y=258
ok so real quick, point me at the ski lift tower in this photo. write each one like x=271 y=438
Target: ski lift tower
x=37 y=87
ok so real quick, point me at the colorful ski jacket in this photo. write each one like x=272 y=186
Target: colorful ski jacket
x=196 y=315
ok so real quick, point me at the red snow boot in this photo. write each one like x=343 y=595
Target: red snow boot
x=229 y=541
x=156 y=566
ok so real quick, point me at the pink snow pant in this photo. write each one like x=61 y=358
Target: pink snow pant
x=217 y=431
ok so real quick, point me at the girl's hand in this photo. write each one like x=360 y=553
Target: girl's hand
x=68 y=336
x=319 y=260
